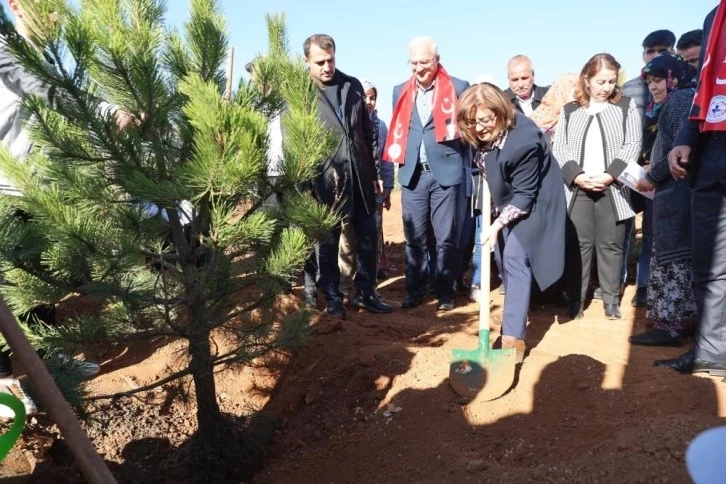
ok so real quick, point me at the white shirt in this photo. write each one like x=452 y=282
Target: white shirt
x=526 y=105
x=594 y=159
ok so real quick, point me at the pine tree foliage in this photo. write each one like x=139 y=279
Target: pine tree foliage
x=162 y=222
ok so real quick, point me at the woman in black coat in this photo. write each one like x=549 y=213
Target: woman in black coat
x=526 y=188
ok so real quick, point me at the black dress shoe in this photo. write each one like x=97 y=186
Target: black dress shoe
x=412 y=301
x=612 y=311
x=335 y=308
x=713 y=368
x=370 y=302
x=688 y=363
x=445 y=304
x=640 y=300
x=682 y=364
x=657 y=337
x=574 y=310
x=461 y=286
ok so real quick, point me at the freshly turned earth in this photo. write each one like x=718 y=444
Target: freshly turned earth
x=367 y=400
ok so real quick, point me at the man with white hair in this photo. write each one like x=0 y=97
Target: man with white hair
x=424 y=141
x=523 y=92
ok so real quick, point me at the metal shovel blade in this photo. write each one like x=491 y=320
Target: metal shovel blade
x=484 y=373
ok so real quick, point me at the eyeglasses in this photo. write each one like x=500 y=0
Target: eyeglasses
x=480 y=123
x=424 y=63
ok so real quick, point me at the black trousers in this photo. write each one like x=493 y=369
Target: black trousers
x=708 y=212
x=366 y=234
x=592 y=225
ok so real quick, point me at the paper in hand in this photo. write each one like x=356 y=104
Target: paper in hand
x=630 y=176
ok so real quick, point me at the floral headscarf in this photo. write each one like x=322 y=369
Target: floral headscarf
x=678 y=74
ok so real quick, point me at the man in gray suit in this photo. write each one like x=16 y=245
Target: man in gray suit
x=349 y=179
x=423 y=140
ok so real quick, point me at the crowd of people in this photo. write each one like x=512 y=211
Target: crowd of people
x=566 y=169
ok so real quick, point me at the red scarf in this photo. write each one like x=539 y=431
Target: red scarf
x=709 y=105
x=444 y=114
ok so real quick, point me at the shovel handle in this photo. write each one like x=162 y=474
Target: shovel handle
x=485 y=263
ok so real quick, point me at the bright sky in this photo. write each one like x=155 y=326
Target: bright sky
x=474 y=37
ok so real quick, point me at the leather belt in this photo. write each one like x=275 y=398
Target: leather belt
x=424 y=166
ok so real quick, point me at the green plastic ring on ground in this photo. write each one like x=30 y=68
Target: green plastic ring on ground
x=8 y=439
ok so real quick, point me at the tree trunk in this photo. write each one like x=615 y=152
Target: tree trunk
x=208 y=413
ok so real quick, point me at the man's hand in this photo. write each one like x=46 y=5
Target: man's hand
x=589 y=183
x=644 y=185
x=378 y=186
x=387 y=199
x=124 y=119
x=678 y=160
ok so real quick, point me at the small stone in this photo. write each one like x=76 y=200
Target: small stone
x=393 y=408
x=476 y=465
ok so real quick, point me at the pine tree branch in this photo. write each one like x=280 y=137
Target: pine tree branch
x=157 y=384
x=160 y=257
x=255 y=305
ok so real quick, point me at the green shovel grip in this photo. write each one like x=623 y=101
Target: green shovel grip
x=8 y=439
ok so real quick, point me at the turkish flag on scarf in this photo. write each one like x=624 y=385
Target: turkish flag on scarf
x=709 y=105
x=444 y=114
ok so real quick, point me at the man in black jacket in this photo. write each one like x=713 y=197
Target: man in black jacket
x=523 y=92
x=350 y=178
x=700 y=154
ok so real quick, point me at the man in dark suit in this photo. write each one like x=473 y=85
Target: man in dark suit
x=700 y=153
x=523 y=92
x=349 y=179
x=424 y=141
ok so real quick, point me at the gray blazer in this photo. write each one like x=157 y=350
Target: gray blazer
x=620 y=147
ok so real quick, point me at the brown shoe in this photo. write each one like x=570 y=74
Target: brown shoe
x=517 y=344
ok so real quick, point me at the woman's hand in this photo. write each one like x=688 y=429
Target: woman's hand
x=489 y=236
x=644 y=185
x=589 y=183
x=606 y=179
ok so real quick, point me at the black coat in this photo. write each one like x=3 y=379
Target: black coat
x=537 y=94
x=356 y=152
x=524 y=173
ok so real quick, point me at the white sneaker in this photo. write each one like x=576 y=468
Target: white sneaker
x=86 y=369
x=474 y=293
x=12 y=386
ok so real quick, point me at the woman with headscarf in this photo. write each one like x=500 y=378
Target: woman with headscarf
x=560 y=93
x=671 y=301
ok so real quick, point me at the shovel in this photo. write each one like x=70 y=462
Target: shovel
x=483 y=371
